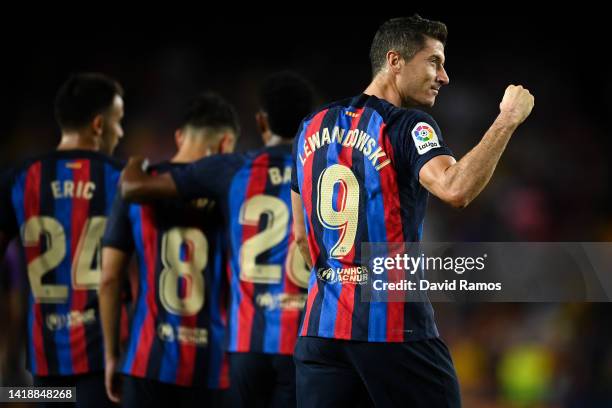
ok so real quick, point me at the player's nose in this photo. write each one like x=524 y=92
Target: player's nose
x=443 y=78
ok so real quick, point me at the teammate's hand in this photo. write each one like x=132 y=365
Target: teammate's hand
x=112 y=381
x=136 y=165
x=134 y=170
x=516 y=104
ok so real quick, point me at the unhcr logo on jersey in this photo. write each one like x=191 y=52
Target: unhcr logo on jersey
x=74 y=318
x=327 y=275
x=354 y=275
x=165 y=332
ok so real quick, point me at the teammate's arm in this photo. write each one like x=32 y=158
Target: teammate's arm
x=299 y=228
x=458 y=183
x=139 y=186
x=114 y=263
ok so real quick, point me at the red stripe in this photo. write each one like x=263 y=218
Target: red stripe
x=224 y=381
x=187 y=351
x=80 y=211
x=289 y=319
x=312 y=295
x=246 y=311
x=224 y=378
x=147 y=332
x=306 y=190
x=32 y=209
x=393 y=225
x=346 y=299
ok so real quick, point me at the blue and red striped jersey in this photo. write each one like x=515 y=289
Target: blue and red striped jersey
x=59 y=204
x=356 y=167
x=177 y=330
x=267 y=274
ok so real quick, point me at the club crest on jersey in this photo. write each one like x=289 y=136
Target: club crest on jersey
x=425 y=137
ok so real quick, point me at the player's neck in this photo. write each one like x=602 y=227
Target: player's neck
x=383 y=87
x=78 y=141
x=190 y=152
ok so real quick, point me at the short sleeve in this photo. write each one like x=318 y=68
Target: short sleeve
x=419 y=140
x=118 y=232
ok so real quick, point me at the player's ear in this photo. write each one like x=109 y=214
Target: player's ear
x=394 y=61
x=227 y=143
x=97 y=124
x=263 y=126
x=179 y=138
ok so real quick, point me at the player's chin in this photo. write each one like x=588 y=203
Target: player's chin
x=431 y=97
x=429 y=101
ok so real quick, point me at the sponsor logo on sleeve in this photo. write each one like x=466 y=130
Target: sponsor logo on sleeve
x=425 y=137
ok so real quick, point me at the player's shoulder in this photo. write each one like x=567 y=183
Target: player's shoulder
x=417 y=115
x=164 y=167
x=330 y=107
x=224 y=160
x=230 y=161
x=389 y=113
x=56 y=155
x=221 y=166
x=276 y=153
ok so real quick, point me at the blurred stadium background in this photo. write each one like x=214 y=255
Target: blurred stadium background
x=551 y=185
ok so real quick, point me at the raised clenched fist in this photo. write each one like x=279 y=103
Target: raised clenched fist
x=516 y=104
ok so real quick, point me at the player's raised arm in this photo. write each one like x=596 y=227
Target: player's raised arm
x=458 y=183
x=139 y=186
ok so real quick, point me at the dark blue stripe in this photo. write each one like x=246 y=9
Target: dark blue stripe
x=141 y=309
x=377 y=233
x=63 y=214
x=236 y=198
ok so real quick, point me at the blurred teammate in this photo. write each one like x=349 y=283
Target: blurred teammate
x=268 y=275
x=363 y=169
x=175 y=350
x=59 y=203
x=13 y=308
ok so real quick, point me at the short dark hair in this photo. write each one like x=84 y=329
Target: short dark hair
x=287 y=98
x=82 y=97
x=405 y=35
x=210 y=110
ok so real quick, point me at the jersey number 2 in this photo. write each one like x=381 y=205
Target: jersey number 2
x=86 y=265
